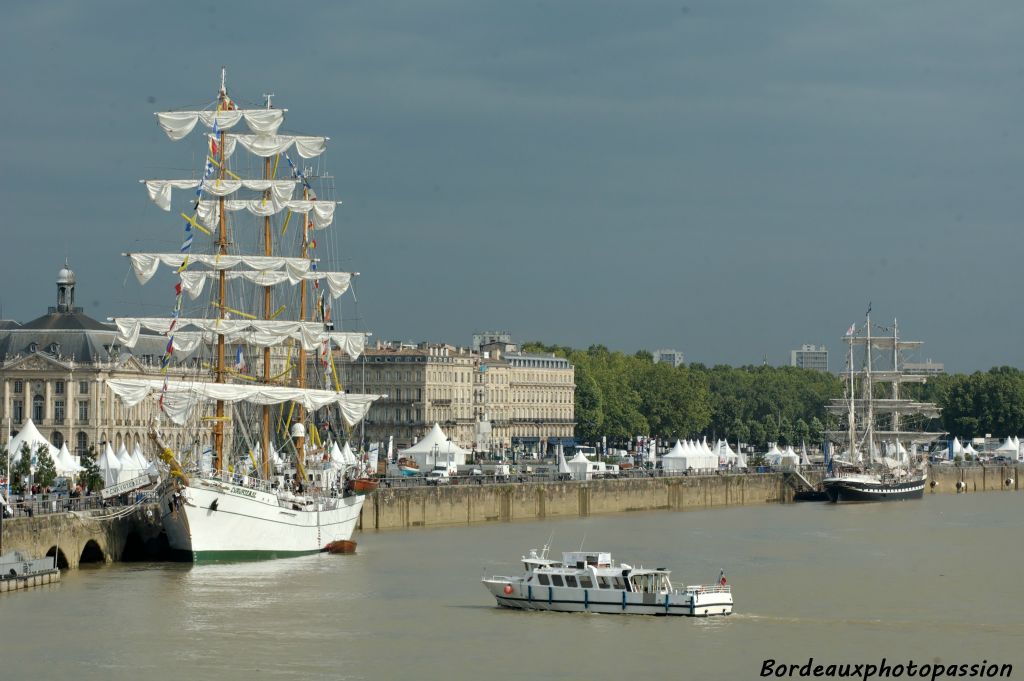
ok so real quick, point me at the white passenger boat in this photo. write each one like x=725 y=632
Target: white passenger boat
x=589 y=581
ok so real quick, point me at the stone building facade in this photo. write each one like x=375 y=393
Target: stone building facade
x=492 y=400
x=54 y=370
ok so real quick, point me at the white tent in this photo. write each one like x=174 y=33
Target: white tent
x=65 y=463
x=342 y=457
x=741 y=459
x=563 y=466
x=129 y=469
x=31 y=436
x=675 y=459
x=435 y=448
x=957 y=447
x=726 y=456
x=804 y=459
x=110 y=467
x=1008 y=447
x=139 y=458
x=579 y=466
x=696 y=457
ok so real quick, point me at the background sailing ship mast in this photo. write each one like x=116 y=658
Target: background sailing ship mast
x=862 y=412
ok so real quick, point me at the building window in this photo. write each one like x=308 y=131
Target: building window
x=83 y=410
x=58 y=411
x=19 y=386
x=57 y=438
x=58 y=387
x=37 y=408
x=83 y=387
x=81 y=445
x=19 y=411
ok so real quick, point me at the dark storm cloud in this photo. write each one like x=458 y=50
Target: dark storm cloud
x=731 y=179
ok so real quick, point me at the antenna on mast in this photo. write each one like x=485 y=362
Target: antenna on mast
x=267 y=96
x=223 y=78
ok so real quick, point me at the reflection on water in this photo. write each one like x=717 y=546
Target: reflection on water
x=912 y=580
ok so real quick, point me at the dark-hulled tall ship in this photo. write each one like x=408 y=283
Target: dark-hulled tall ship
x=883 y=435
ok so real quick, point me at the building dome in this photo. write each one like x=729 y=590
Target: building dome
x=65 y=275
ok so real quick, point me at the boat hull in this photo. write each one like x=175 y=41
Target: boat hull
x=840 y=490
x=213 y=520
x=513 y=594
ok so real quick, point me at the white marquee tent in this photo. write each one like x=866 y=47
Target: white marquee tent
x=110 y=467
x=434 y=448
x=675 y=459
x=31 y=436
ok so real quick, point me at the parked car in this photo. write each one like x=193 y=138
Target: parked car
x=438 y=476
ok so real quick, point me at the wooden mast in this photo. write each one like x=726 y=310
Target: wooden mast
x=267 y=305
x=222 y=243
x=300 y=442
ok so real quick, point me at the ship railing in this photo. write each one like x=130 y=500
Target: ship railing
x=241 y=481
x=708 y=589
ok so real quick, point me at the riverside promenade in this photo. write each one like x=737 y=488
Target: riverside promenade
x=134 y=532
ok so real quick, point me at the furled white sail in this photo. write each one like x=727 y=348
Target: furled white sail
x=272 y=145
x=160 y=190
x=337 y=282
x=322 y=211
x=145 y=265
x=258 y=332
x=180 y=399
x=178 y=124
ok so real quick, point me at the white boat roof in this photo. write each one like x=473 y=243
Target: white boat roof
x=600 y=558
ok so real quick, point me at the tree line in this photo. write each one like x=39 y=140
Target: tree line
x=620 y=396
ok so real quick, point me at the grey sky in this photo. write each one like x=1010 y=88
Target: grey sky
x=731 y=179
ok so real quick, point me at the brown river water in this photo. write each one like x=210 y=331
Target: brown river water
x=935 y=580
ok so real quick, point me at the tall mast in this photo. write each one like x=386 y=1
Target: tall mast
x=896 y=383
x=267 y=307
x=222 y=243
x=869 y=429
x=852 y=431
x=300 y=441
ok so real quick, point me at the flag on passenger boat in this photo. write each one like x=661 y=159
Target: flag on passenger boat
x=239 y=360
x=721 y=578
x=853 y=327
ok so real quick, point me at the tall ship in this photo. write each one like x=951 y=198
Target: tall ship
x=882 y=456
x=251 y=326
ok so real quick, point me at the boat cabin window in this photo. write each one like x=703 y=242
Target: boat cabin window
x=619 y=584
x=556 y=580
x=602 y=582
x=543 y=579
x=586 y=582
x=570 y=581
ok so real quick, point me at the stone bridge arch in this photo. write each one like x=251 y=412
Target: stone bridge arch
x=82 y=539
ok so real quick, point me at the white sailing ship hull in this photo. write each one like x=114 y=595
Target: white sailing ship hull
x=215 y=520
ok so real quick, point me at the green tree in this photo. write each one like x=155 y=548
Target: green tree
x=589 y=405
x=46 y=470
x=801 y=431
x=21 y=470
x=90 y=478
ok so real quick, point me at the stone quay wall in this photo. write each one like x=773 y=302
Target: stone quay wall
x=944 y=479
x=407 y=507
